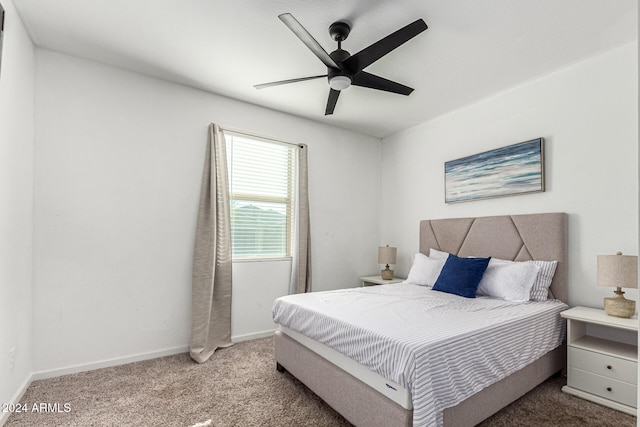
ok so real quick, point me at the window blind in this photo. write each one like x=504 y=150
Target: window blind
x=261 y=177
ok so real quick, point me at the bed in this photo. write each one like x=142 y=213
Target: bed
x=369 y=388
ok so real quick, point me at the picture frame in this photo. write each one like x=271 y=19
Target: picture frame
x=507 y=171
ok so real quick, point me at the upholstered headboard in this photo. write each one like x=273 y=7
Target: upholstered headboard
x=512 y=237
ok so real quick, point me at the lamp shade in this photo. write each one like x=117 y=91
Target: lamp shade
x=618 y=270
x=387 y=254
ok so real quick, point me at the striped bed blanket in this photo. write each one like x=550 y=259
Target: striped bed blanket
x=441 y=347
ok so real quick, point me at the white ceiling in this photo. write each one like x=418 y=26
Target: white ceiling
x=472 y=49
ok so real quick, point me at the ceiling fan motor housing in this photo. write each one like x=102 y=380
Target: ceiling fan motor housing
x=338 y=56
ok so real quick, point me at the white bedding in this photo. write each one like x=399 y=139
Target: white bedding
x=441 y=347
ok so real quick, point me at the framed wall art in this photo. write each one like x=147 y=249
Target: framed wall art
x=507 y=171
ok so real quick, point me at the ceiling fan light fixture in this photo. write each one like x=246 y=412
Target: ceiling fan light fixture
x=339 y=82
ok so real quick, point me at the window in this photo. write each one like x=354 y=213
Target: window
x=261 y=178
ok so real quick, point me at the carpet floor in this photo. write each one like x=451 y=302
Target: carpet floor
x=239 y=386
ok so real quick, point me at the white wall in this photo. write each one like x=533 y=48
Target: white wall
x=118 y=163
x=16 y=204
x=588 y=115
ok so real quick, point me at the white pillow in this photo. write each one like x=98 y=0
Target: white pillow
x=436 y=254
x=540 y=290
x=510 y=281
x=425 y=270
x=546 y=270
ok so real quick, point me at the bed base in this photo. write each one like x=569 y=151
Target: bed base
x=357 y=402
x=363 y=406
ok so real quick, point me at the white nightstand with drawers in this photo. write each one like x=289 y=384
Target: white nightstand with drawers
x=602 y=358
x=377 y=280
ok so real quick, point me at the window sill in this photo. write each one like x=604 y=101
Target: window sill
x=287 y=258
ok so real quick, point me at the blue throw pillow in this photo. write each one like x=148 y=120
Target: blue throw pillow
x=461 y=276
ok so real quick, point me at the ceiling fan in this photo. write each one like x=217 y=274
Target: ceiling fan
x=344 y=69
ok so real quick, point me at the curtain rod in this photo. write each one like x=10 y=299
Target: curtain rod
x=252 y=135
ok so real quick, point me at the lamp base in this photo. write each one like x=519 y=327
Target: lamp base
x=619 y=306
x=386 y=274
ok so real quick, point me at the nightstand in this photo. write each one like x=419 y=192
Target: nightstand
x=602 y=358
x=378 y=280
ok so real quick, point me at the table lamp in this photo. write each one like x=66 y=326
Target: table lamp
x=387 y=255
x=620 y=271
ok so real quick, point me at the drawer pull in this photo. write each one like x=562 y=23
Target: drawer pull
x=608 y=366
x=608 y=388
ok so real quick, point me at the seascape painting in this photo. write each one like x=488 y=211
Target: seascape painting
x=506 y=171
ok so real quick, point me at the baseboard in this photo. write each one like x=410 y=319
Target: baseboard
x=4 y=416
x=74 y=369
x=41 y=375
x=253 y=336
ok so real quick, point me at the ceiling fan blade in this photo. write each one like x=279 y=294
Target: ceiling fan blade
x=307 y=39
x=331 y=102
x=284 y=82
x=371 y=54
x=372 y=81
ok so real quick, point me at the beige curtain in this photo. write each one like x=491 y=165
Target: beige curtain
x=301 y=254
x=211 y=276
